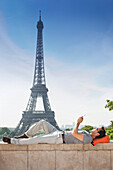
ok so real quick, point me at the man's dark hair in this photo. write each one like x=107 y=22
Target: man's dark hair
x=102 y=133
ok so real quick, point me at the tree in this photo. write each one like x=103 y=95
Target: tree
x=111 y=123
x=88 y=128
x=4 y=130
x=109 y=105
x=68 y=129
x=109 y=129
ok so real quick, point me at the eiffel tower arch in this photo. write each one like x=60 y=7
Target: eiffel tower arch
x=38 y=90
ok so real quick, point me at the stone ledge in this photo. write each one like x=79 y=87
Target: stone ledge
x=56 y=157
x=55 y=147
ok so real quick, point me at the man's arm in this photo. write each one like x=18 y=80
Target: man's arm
x=75 y=130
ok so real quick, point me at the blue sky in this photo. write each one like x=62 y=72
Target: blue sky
x=78 y=51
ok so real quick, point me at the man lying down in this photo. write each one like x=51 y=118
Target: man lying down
x=54 y=136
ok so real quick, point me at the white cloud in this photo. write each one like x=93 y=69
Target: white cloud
x=75 y=91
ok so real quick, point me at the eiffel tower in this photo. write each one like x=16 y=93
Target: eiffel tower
x=38 y=90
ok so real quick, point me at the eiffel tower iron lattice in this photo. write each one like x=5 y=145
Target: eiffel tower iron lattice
x=31 y=115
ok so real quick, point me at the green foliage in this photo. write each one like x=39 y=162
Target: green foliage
x=88 y=128
x=109 y=105
x=5 y=132
x=109 y=130
x=111 y=136
x=68 y=129
x=111 y=123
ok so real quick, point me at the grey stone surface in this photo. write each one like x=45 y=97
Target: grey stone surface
x=13 y=160
x=98 y=146
x=11 y=147
x=107 y=146
x=41 y=160
x=97 y=160
x=69 y=160
x=46 y=147
x=72 y=147
x=111 y=159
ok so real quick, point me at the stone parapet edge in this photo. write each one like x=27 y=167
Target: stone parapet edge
x=56 y=147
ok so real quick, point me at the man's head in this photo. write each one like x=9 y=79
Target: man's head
x=98 y=133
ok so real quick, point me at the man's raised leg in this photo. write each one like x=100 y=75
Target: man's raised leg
x=42 y=124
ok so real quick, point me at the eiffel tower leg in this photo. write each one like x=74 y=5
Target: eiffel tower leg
x=22 y=127
x=46 y=103
x=16 y=131
x=54 y=123
x=31 y=103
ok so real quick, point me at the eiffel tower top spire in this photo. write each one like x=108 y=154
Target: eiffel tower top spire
x=40 y=15
x=39 y=74
x=40 y=23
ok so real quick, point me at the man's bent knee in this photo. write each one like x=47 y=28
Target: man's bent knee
x=41 y=121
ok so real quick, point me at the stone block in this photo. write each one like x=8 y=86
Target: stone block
x=97 y=160
x=107 y=146
x=86 y=146
x=98 y=146
x=41 y=147
x=13 y=160
x=59 y=147
x=11 y=147
x=46 y=147
x=69 y=160
x=41 y=160
x=72 y=147
x=111 y=160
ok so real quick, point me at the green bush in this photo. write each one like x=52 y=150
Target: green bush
x=68 y=129
x=109 y=132
x=5 y=132
x=88 y=128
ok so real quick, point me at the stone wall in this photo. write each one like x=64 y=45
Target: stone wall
x=56 y=157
